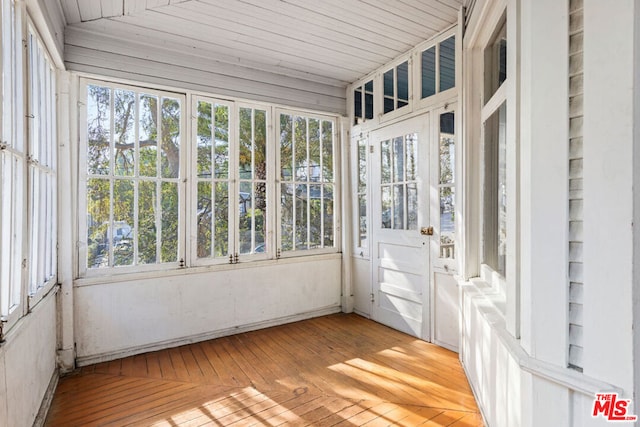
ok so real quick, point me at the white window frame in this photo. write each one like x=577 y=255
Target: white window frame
x=336 y=184
x=13 y=147
x=83 y=269
x=359 y=250
x=406 y=109
x=476 y=112
x=439 y=96
x=41 y=163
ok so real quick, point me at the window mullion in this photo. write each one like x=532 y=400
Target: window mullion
x=158 y=180
x=136 y=178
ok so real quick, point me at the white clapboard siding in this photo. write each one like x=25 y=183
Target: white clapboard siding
x=143 y=70
x=115 y=34
x=576 y=93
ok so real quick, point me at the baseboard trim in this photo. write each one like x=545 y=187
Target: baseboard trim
x=105 y=357
x=41 y=416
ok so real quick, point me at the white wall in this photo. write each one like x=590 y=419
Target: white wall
x=115 y=49
x=28 y=365
x=120 y=317
x=361 y=276
x=524 y=380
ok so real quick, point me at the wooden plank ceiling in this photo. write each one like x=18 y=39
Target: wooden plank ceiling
x=335 y=40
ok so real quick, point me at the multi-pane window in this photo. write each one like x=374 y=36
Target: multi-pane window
x=446 y=185
x=213 y=158
x=28 y=181
x=363 y=103
x=495 y=152
x=307 y=189
x=12 y=165
x=42 y=207
x=399 y=182
x=135 y=165
x=396 y=87
x=252 y=180
x=361 y=191
x=438 y=67
x=133 y=176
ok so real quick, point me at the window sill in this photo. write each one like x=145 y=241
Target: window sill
x=129 y=276
x=490 y=302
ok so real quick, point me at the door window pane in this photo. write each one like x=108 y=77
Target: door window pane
x=399 y=203
x=446 y=184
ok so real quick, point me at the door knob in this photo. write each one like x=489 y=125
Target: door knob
x=426 y=231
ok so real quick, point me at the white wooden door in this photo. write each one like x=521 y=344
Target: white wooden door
x=400 y=209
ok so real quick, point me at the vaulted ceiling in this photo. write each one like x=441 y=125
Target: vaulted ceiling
x=322 y=42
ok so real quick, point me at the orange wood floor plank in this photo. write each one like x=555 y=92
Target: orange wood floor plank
x=333 y=370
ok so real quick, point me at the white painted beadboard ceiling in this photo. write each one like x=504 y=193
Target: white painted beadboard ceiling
x=328 y=41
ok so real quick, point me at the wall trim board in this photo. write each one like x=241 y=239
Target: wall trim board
x=41 y=417
x=104 y=357
x=568 y=378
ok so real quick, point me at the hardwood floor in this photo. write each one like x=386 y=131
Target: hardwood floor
x=340 y=370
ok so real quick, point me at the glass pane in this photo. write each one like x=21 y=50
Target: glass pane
x=398 y=159
x=368 y=106
x=327 y=151
x=362 y=220
x=368 y=86
x=147 y=203
x=315 y=215
x=122 y=231
x=204 y=218
x=327 y=215
x=221 y=159
x=412 y=157
x=428 y=70
x=260 y=144
x=448 y=63
x=286 y=147
x=286 y=220
x=301 y=217
x=495 y=203
x=259 y=214
x=447 y=222
x=170 y=153
x=502 y=189
x=98 y=212
x=170 y=217
x=388 y=105
x=386 y=206
x=314 y=150
x=398 y=207
x=362 y=165
x=148 y=134
x=388 y=83
x=124 y=132
x=412 y=206
x=246 y=143
x=385 y=165
x=403 y=83
x=98 y=129
x=300 y=136
x=447 y=148
x=357 y=104
x=204 y=140
x=495 y=62
x=245 y=225
x=221 y=220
